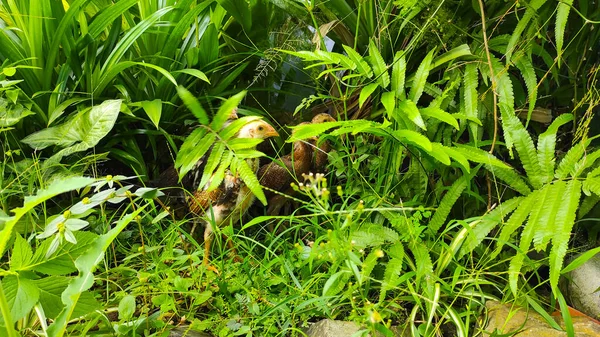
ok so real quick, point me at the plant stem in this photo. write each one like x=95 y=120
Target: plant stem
x=6 y=313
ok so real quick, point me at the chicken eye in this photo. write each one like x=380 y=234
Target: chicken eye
x=260 y=128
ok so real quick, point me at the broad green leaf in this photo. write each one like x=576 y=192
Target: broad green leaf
x=86 y=264
x=60 y=109
x=11 y=114
x=22 y=295
x=414 y=138
x=57 y=187
x=240 y=10
x=366 y=92
x=51 y=289
x=21 y=254
x=409 y=108
x=61 y=262
x=361 y=65
x=126 y=307
x=192 y=103
x=438 y=153
x=154 y=110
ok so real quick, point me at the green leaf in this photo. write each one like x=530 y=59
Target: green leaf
x=563 y=225
x=562 y=14
x=414 y=138
x=580 y=260
x=361 y=65
x=154 y=110
x=192 y=103
x=249 y=178
x=568 y=163
x=441 y=115
x=366 y=93
x=389 y=101
x=525 y=66
x=194 y=151
x=11 y=114
x=547 y=144
x=449 y=199
x=60 y=109
x=212 y=162
x=193 y=72
x=86 y=264
x=226 y=109
x=509 y=176
x=471 y=97
x=480 y=156
x=127 y=307
x=21 y=254
x=379 y=66
x=462 y=50
x=399 y=75
x=22 y=295
x=530 y=12
x=409 y=108
x=515 y=221
x=240 y=10
x=420 y=79
x=336 y=283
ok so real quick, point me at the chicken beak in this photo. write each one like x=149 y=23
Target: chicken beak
x=270 y=132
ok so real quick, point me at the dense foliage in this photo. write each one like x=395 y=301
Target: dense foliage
x=464 y=161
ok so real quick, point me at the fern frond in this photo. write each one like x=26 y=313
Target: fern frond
x=531 y=11
x=378 y=65
x=471 y=98
x=591 y=185
x=449 y=199
x=368 y=264
x=562 y=14
x=458 y=157
x=441 y=115
x=390 y=276
x=546 y=146
x=526 y=150
x=362 y=66
x=193 y=151
x=569 y=161
x=488 y=222
x=588 y=203
x=409 y=108
x=515 y=221
x=399 y=75
x=565 y=219
x=249 y=178
x=480 y=156
x=585 y=163
x=366 y=92
x=527 y=70
x=525 y=241
x=212 y=162
x=511 y=177
x=420 y=79
x=219 y=174
x=423 y=264
x=545 y=227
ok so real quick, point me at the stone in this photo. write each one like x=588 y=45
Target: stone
x=583 y=287
x=506 y=318
x=333 y=328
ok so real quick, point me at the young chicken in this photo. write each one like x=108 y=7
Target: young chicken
x=232 y=198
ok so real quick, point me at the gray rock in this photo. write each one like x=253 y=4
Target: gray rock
x=506 y=319
x=332 y=328
x=582 y=288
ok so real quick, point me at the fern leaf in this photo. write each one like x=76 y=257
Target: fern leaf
x=545 y=227
x=399 y=75
x=212 y=162
x=368 y=265
x=569 y=161
x=527 y=152
x=594 y=173
x=409 y=108
x=390 y=276
x=480 y=156
x=336 y=283
x=562 y=14
x=588 y=203
x=591 y=185
x=471 y=97
x=458 y=157
x=462 y=50
x=515 y=221
x=449 y=199
x=423 y=264
x=531 y=11
x=366 y=92
x=438 y=152
x=420 y=79
x=361 y=65
x=225 y=110
x=217 y=177
x=378 y=65
x=487 y=223
x=389 y=102
x=511 y=177
x=525 y=241
x=525 y=66
x=565 y=219
x=192 y=103
x=232 y=129
x=195 y=154
x=547 y=144
x=586 y=162
x=441 y=115
x=249 y=178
